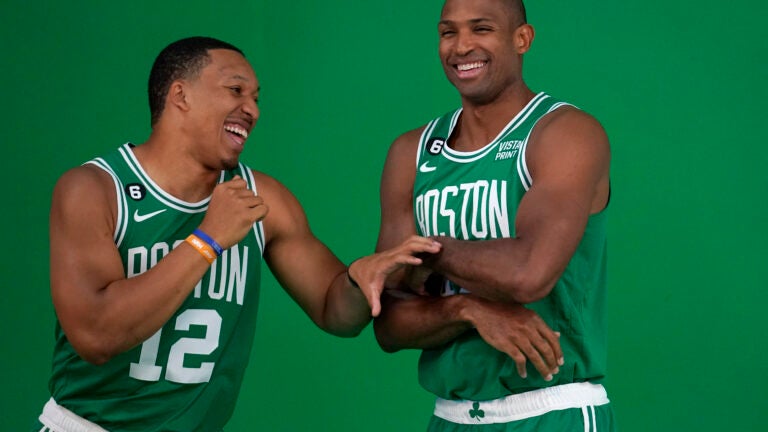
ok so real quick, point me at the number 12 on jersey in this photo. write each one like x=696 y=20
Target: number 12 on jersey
x=147 y=368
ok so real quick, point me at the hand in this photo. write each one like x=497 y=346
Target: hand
x=232 y=212
x=370 y=272
x=415 y=279
x=519 y=332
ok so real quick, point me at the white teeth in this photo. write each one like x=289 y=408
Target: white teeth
x=468 y=66
x=238 y=130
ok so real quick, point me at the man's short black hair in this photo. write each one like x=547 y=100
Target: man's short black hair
x=184 y=58
x=519 y=9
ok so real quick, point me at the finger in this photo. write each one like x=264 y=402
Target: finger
x=542 y=345
x=519 y=360
x=536 y=360
x=553 y=343
x=375 y=304
x=372 y=296
x=246 y=194
x=259 y=212
x=236 y=182
x=421 y=244
x=390 y=264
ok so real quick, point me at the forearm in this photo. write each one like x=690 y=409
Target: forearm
x=421 y=322
x=499 y=270
x=346 y=310
x=125 y=312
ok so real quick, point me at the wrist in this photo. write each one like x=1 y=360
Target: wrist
x=205 y=245
x=209 y=240
x=461 y=307
x=351 y=279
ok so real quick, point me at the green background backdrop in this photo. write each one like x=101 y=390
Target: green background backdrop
x=679 y=86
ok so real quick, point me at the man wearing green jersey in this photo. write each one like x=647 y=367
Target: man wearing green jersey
x=156 y=254
x=511 y=314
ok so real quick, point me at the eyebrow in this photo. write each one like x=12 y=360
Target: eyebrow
x=242 y=78
x=471 y=21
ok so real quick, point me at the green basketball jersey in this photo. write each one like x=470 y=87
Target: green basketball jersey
x=187 y=376
x=474 y=196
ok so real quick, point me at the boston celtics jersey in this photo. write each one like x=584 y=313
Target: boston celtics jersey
x=474 y=196
x=187 y=376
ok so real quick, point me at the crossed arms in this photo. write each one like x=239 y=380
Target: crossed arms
x=568 y=156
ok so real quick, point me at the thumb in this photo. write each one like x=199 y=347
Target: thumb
x=374 y=301
x=375 y=306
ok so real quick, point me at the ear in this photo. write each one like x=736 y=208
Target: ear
x=523 y=38
x=177 y=95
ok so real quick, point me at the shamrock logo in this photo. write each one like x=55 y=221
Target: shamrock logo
x=476 y=411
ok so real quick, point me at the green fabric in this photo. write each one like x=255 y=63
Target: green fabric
x=188 y=375
x=474 y=196
x=568 y=420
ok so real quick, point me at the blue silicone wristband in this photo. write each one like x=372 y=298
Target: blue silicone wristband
x=206 y=238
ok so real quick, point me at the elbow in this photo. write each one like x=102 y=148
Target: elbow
x=529 y=287
x=386 y=343
x=94 y=353
x=347 y=332
x=387 y=346
x=95 y=348
x=96 y=359
x=343 y=329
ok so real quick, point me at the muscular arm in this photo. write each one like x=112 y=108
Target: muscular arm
x=101 y=311
x=315 y=278
x=568 y=157
x=549 y=225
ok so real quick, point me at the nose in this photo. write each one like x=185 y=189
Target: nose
x=251 y=109
x=464 y=43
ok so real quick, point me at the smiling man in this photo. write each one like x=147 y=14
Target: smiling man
x=156 y=254
x=511 y=313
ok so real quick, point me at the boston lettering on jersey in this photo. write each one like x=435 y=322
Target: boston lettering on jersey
x=226 y=279
x=476 y=210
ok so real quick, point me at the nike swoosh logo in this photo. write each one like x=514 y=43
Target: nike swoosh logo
x=141 y=218
x=426 y=168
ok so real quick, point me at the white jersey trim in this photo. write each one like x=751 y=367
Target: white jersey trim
x=522 y=165
x=517 y=120
x=423 y=139
x=258 y=227
x=161 y=195
x=121 y=224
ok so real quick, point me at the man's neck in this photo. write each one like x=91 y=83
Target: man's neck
x=168 y=161
x=481 y=123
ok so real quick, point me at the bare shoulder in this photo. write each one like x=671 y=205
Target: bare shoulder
x=85 y=186
x=88 y=177
x=266 y=185
x=83 y=212
x=405 y=146
x=569 y=151
x=286 y=214
x=568 y=136
x=400 y=166
x=570 y=126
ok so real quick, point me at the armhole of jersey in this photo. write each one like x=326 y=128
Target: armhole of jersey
x=522 y=165
x=258 y=227
x=121 y=224
x=423 y=140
